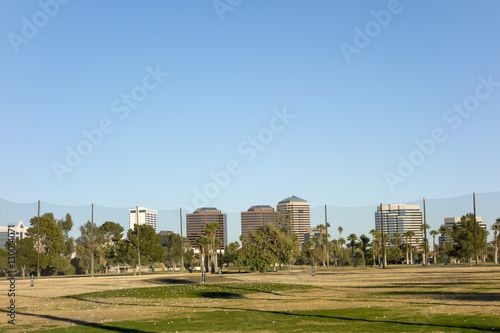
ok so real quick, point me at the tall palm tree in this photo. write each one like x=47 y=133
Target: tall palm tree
x=340 y=229
x=203 y=243
x=342 y=242
x=334 y=247
x=424 y=227
x=406 y=235
x=210 y=230
x=322 y=228
x=352 y=238
x=363 y=242
x=375 y=234
x=434 y=233
x=496 y=228
x=443 y=231
x=410 y=235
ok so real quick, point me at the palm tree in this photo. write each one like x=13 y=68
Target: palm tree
x=410 y=235
x=324 y=238
x=434 y=233
x=210 y=229
x=407 y=235
x=342 y=242
x=496 y=228
x=204 y=243
x=340 y=229
x=424 y=227
x=352 y=238
x=363 y=242
x=443 y=231
x=375 y=234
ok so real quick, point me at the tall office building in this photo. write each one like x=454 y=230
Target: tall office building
x=146 y=216
x=199 y=218
x=449 y=222
x=254 y=217
x=400 y=219
x=301 y=214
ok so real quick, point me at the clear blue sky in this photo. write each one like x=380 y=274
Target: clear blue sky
x=355 y=114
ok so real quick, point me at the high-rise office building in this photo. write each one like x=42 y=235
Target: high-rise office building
x=146 y=216
x=199 y=218
x=449 y=222
x=301 y=214
x=254 y=217
x=400 y=219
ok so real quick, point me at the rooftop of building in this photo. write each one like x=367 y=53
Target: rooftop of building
x=292 y=198
x=206 y=209
x=259 y=207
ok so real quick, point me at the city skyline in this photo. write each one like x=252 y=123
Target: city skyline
x=358 y=220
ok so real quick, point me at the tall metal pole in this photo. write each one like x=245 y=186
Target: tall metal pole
x=475 y=227
x=383 y=238
x=92 y=242
x=426 y=258
x=38 y=243
x=138 y=242
x=327 y=252
x=182 y=243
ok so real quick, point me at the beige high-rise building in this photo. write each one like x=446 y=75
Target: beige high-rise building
x=254 y=217
x=301 y=214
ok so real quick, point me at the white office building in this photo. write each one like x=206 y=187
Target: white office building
x=400 y=219
x=146 y=216
x=19 y=229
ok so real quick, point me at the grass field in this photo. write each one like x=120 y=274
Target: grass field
x=403 y=299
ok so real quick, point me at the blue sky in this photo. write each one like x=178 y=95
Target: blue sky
x=352 y=119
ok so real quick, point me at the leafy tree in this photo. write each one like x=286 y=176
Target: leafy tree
x=112 y=234
x=149 y=242
x=324 y=238
x=51 y=244
x=284 y=222
x=444 y=231
x=90 y=244
x=26 y=255
x=66 y=225
x=4 y=265
x=231 y=253
x=463 y=236
x=261 y=248
x=173 y=250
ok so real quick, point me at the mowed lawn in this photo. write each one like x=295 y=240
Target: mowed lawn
x=403 y=299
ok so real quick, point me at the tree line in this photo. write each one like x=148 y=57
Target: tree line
x=268 y=247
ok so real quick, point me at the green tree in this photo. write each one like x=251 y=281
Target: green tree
x=284 y=222
x=91 y=242
x=261 y=248
x=424 y=227
x=231 y=254
x=149 y=242
x=51 y=244
x=375 y=245
x=112 y=234
x=463 y=236
x=173 y=250
x=444 y=231
x=352 y=238
x=66 y=225
x=26 y=257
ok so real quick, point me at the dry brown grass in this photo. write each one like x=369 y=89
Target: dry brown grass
x=442 y=289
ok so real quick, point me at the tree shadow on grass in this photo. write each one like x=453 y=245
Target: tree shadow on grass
x=370 y=321
x=81 y=323
x=467 y=296
x=220 y=294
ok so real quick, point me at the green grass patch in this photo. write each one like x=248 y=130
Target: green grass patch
x=373 y=319
x=226 y=290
